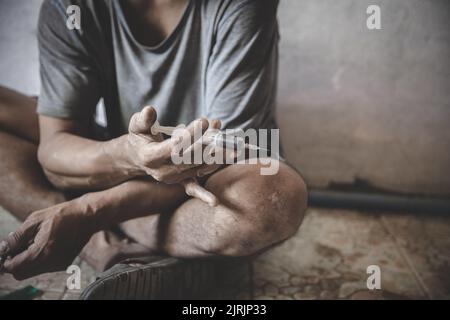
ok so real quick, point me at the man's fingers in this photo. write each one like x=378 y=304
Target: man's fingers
x=19 y=240
x=194 y=189
x=147 y=118
x=184 y=145
x=160 y=152
x=217 y=154
x=197 y=147
x=191 y=133
x=141 y=122
x=200 y=125
x=215 y=124
x=181 y=140
x=195 y=152
x=22 y=265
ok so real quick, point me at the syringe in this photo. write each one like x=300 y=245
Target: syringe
x=157 y=128
x=219 y=138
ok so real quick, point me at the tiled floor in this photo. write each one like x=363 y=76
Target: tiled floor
x=326 y=259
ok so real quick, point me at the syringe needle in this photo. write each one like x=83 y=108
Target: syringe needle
x=253 y=147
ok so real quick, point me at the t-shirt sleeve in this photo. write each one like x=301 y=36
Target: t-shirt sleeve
x=69 y=80
x=242 y=72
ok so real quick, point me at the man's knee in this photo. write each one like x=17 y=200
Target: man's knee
x=257 y=210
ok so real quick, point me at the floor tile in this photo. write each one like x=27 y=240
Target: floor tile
x=329 y=256
x=424 y=239
x=326 y=259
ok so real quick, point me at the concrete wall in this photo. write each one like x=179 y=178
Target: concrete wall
x=19 y=67
x=370 y=105
x=353 y=103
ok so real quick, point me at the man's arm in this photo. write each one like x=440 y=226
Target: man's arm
x=49 y=239
x=57 y=234
x=70 y=90
x=72 y=161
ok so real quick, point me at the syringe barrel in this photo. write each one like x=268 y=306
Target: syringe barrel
x=229 y=141
x=157 y=128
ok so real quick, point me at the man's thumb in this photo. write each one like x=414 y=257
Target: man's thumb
x=146 y=119
x=141 y=122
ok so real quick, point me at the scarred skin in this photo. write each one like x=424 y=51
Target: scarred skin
x=130 y=182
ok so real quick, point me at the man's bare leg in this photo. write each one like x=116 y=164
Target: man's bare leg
x=254 y=213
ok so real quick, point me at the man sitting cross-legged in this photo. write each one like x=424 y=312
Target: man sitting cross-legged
x=69 y=186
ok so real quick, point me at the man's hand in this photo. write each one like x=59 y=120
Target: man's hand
x=49 y=239
x=152 y=154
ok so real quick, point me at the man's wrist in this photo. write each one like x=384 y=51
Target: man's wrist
x=118 y=152
x=92 y=207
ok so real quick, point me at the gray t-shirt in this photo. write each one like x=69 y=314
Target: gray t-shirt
x=220 y=62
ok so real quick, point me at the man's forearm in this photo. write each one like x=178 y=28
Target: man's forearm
x=131 y=199
x=74 y=162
